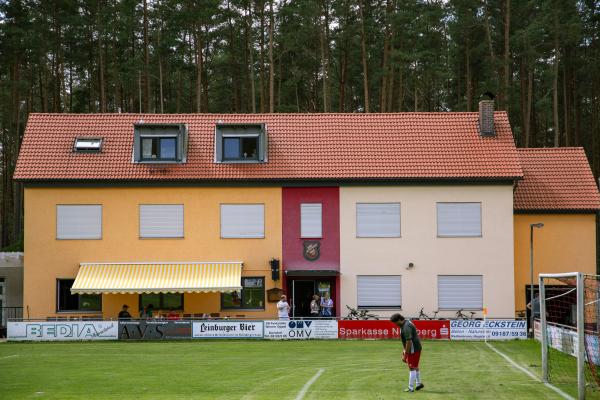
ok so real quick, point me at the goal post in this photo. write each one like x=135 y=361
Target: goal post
x=569 y=330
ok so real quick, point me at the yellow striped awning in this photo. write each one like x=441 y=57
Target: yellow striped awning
x=188 y=277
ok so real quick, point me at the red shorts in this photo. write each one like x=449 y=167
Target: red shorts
x=412 y=359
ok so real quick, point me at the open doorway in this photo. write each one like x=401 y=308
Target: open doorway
x=302 y=289
x=302 y=293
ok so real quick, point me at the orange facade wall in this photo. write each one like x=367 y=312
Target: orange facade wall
x=48 y=259
x=566 y=243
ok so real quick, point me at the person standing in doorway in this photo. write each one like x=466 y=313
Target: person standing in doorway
x=412 y=351
x=283 y=308
x=314 y=306
x=327 y=305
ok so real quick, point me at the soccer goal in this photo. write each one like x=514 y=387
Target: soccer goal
x=569 y=330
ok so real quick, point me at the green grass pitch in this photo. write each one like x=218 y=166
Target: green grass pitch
x=265 y=370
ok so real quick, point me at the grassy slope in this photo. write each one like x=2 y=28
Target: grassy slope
x=261 y=370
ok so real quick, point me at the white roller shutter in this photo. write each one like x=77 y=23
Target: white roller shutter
x=79 y=222
x=311 y=218
x=161 y=221
x=378 y=219
x=242 y=220
x=457 y=292
x=459 y=219
x=383 y=291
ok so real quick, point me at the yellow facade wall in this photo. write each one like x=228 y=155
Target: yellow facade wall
x=566 y=243
x=48 y=259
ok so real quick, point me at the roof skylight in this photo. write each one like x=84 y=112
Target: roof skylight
x=86 y=144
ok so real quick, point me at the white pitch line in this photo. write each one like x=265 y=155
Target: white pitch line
x=530 y=374
x=14 y=355
x=308 y=384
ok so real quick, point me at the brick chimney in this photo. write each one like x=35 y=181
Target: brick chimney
x=486 y=118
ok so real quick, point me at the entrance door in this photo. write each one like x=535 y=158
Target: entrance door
x=302 y=292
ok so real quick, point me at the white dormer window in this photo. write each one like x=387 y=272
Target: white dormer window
x=88 y=145
x=160 y=143
x=240 y=143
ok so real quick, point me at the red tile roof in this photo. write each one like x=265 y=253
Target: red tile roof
x=301 y=146
x=556 y=179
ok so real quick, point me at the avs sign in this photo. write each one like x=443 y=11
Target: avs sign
x=155 y=330
x=227 y=330
x=493 y=329
x=301 y=329
x=62 y=330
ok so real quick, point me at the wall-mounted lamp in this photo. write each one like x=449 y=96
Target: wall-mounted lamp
x=274 y=263
x=410 y=266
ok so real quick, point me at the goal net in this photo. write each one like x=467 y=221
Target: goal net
x=567 y=314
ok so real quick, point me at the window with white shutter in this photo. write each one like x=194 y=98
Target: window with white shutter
x=378 y=220
x=459 y=219
x=79 y=222
x=242 y=221
x=311 y=220
x=457 y=292
x=161 y=221
x=379 y=291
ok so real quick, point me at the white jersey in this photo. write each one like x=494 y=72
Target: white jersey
x=283 y=309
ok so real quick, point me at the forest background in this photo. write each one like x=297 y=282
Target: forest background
x=540 y=57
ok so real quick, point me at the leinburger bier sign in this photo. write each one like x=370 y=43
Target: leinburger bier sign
x=227 y=329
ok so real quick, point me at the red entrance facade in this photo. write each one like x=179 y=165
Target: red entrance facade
x=311 y=246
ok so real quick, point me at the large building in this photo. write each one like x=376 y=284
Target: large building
x=217 y=214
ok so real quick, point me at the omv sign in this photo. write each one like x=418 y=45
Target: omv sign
x=299 y=324
x=299 y=329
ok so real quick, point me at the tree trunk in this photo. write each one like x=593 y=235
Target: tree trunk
x=468 y=79
x=199 y=67
x=146 y=80
x=364 y=56
x=271 y=66
x=529 y=106
x=250 y=46
x=400 y=91
x=262 y=57
x=566 y=106
x=102 y=80
x=555 y=85
x=385 y=67
x=323 y=68
x=488 y=35
x=522 y=98
x=505 y=82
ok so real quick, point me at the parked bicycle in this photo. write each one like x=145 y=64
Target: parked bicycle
x=461 y=315
x=422 y=314
x=354 y=313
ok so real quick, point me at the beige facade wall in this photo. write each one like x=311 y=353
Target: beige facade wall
x=491 y=255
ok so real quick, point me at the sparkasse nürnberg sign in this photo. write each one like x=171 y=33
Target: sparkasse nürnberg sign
x=494 y=329
x=63 y=330
x=227 y=329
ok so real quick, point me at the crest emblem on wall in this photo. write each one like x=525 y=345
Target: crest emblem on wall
x=312 y=250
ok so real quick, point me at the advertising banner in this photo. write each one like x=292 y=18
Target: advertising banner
x=564 y=338
x=433 y=329
x=62 y=330
x=154 y=330
x=301 y=329
x=372 y=329
x=228 y=329
x=494 y=329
